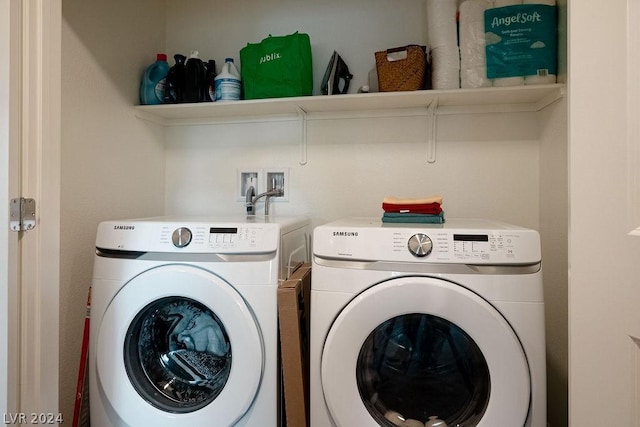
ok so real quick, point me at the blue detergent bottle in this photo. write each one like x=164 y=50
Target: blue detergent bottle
x=153 y=81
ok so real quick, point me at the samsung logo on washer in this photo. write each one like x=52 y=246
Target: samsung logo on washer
x=345 y=233
x=124 y=227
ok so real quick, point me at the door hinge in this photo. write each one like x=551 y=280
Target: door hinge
x=23 y=214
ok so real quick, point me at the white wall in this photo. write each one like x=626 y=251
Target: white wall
x=487 y=166
x=554 y=206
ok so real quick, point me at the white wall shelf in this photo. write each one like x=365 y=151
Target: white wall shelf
x=428 y=103
x=485 y=100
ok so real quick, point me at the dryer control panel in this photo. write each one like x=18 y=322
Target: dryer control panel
x=457 y=241
x=478 y=246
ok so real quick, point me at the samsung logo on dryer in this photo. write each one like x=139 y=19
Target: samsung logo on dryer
x=124 y=227
x=345 y=234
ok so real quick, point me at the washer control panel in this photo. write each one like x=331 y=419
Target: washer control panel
x=189 y=237
x=233 y=237
x=220 y=238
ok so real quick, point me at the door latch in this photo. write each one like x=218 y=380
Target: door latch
x=22 y=214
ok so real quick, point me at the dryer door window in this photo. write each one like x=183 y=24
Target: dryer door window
x=421 y=367
x=424 y=349
x=177 y=354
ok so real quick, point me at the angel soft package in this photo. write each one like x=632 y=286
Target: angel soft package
x=521 y=41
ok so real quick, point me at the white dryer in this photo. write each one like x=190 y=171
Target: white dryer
x=184 y=327
x=427 y=325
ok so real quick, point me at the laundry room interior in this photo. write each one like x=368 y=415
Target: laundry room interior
x=504 y=158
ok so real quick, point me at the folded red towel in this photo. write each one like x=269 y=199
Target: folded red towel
x=425 y=208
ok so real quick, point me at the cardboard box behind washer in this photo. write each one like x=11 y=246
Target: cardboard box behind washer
x=293 y=314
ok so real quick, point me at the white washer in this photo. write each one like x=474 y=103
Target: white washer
x=184 y=328
x=435 y=325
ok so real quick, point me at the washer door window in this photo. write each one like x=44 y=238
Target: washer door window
x=188 y=345
x=424 y=350
x=177 y=354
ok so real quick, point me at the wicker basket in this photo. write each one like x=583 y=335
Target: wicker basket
x=402 y=68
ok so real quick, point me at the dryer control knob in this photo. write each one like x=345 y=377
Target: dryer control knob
x=181 y=237
x=420 y=245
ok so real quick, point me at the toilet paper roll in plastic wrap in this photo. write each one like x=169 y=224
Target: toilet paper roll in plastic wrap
x=503 y=3
x=445 y=67
x=508 y=81
x=473 y=59
x=441 y=23
x=546 y=78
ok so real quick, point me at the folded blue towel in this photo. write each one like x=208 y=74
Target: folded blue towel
x=412 y=218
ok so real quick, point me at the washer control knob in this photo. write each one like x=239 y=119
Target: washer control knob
x=181 y=237
x=420 y=245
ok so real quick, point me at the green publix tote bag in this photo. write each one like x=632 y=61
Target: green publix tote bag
x=278 y=66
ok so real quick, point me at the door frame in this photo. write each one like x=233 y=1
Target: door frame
x=39 y=160
x=10 y=93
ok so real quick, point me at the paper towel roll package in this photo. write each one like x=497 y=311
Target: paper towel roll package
x=442 y=31
x=445 y=70
x=441 y=23
x=474 y=77
x=497 y=43
x=473 y=63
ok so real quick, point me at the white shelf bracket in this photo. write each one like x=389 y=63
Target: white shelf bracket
x=302 y=119
x=432 y=128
